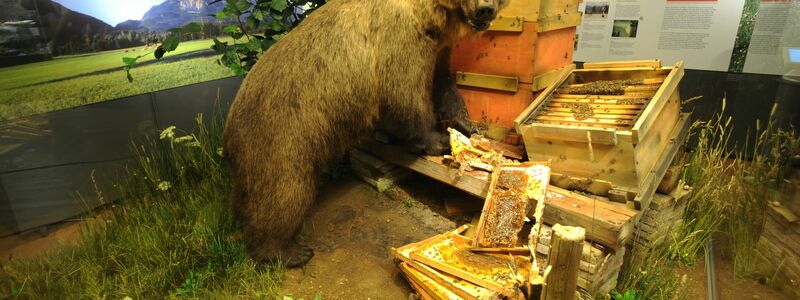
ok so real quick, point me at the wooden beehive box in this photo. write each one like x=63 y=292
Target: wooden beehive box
x=499 y=71
x=617 y=138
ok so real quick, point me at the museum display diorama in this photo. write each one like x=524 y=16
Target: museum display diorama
x=399 y=149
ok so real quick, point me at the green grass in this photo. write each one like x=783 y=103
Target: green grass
x=729 y=201
x=67 y=66
x=172 y=235
x=96 y=88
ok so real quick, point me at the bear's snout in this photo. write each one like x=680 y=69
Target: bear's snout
x=485 y=12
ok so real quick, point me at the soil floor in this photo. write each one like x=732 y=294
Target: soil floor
x=352 y=228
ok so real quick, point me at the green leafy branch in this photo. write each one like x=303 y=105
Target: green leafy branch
x=253 y=25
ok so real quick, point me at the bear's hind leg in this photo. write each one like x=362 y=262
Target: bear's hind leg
x=275 y=215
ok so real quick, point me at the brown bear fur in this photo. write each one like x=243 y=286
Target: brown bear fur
x=349 y=64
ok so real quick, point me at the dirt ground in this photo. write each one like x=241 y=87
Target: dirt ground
x=352 y=228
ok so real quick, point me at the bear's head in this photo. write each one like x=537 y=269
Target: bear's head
x=480 y=13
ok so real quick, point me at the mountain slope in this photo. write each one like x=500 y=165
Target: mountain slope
x=174 y=13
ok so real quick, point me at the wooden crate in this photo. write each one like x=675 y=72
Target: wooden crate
x=617 y=138
x=499 y=71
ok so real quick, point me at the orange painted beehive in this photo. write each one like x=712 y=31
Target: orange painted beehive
x=499 y=71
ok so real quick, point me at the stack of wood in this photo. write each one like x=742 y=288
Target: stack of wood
x=376 y=172
x=599 y=266
x=663 y=216
x=779 y=246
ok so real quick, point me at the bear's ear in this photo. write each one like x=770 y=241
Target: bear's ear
x=450 y=4
x=503 y=3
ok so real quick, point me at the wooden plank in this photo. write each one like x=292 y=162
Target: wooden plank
x=565 y=258
x=451 y=254
x=565 y=73
x=560 y=21
x=603 y=220
x=507 y=24
x=543 y=81
x=653 y=80
x=650 y=147
x=528 y=9
x=597 y=106
x=595 y=187
x=595 y=126
x=594 y=116
x=498 y=106
x=600 y=97
x=628 y=89
x=494 y=82
x=662 y=96
x=475 y=183
x=678 y=138
x=606 y=223
x=589 y=121
x=574 y=134
x=602 y=110
x=432 y=288
x=550 y=8
x=654 y=64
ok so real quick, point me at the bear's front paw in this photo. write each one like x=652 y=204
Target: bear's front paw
x=434 y=143
x=295 y=255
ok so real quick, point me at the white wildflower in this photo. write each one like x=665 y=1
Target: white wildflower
x=185 y=139
x=164 y=185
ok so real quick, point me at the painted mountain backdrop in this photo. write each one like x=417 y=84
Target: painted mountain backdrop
x=174 y=13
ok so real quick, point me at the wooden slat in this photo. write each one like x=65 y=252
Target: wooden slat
x=628 y=89
x=600 y=106
x=653 y=64
x=677 y=139
x=659 y=100
x=601 y=110
x=527 y=9
x=543 y=96
x=597 y=126
x=574 y=134
x=653 y=80
x=585 y=121
x=556 y=22
x=610 y=221
x=507 y=24
x=543 y=81
x=558 y=99
x=594 y=116
x=606 y=223
x=606 y=97
x=502 y=83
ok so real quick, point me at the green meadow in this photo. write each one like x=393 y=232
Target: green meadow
x=71 y=81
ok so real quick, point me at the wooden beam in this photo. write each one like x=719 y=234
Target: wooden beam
x=566 y=247
x=648 y=64
x=494 y=82
x=608 y=223
x=507 y=24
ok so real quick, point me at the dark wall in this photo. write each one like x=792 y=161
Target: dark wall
x=47 y=160
x=749 y=97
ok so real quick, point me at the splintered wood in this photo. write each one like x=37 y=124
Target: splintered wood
x=511 y=189
x=473 y=153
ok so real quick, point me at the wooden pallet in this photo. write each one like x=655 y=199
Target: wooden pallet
x=612 y=223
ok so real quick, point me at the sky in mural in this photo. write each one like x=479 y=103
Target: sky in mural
x=111 y=12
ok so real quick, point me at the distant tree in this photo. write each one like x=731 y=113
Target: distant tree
x=254 y=25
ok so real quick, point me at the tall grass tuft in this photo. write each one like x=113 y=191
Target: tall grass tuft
x=172 y=235
x=732 y=187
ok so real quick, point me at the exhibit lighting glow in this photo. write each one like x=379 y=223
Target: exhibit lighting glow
x=111 y=12
x=794 y=55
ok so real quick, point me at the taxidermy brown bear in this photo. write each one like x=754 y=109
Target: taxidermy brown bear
x=351 y=66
